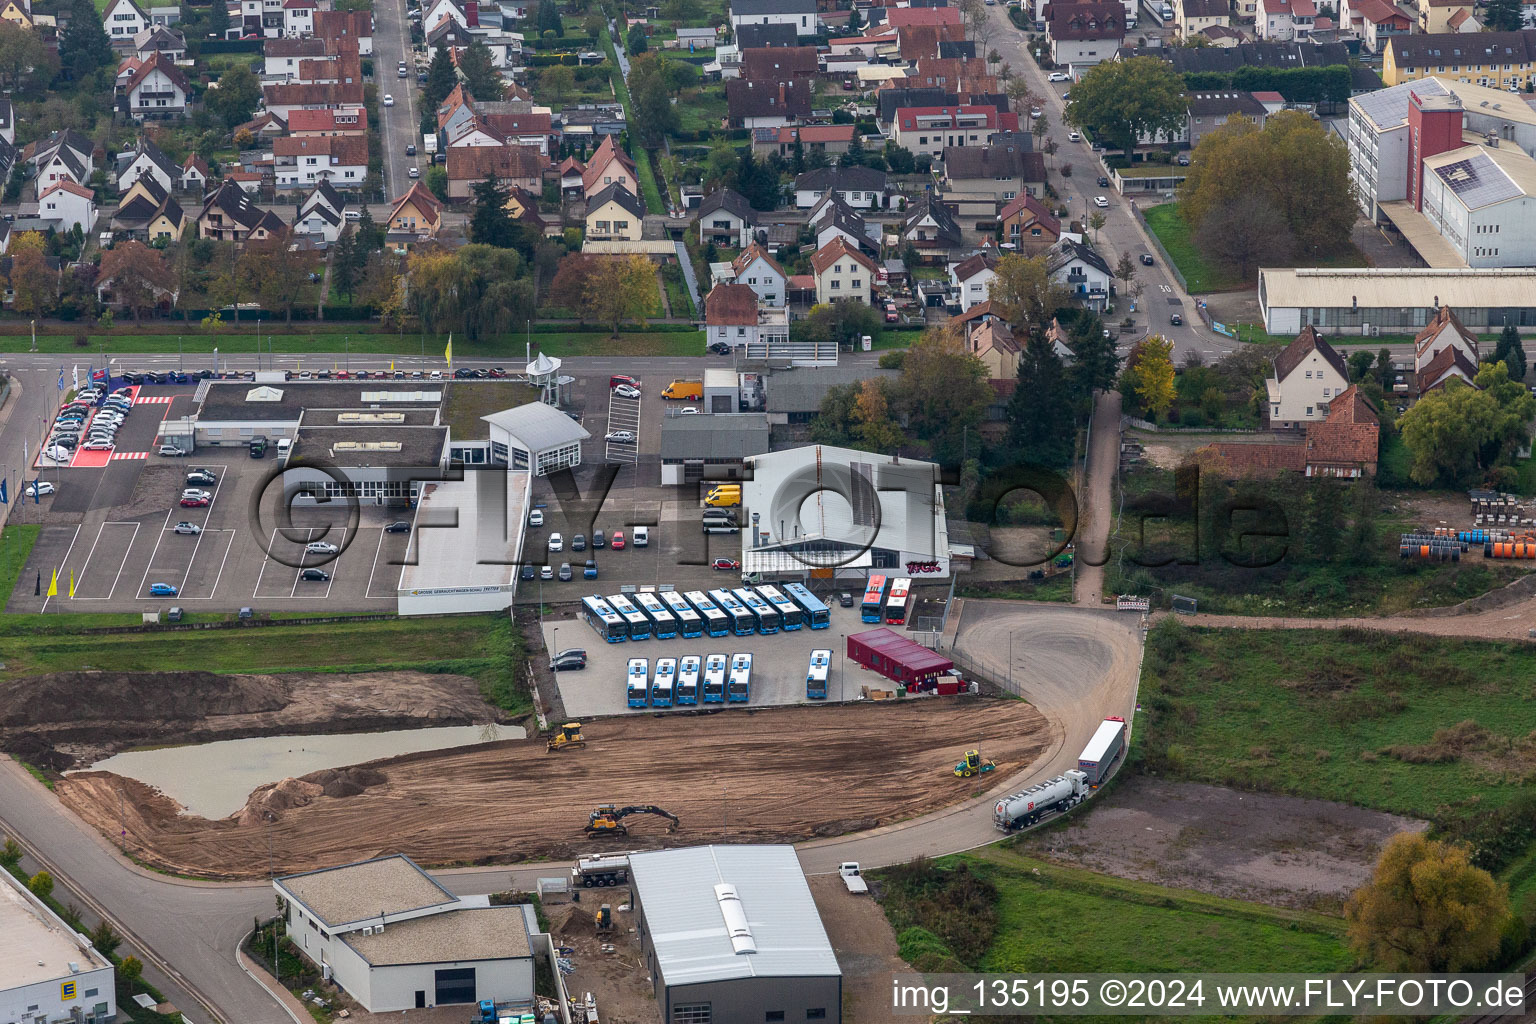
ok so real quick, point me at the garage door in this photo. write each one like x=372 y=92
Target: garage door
x=456 y=985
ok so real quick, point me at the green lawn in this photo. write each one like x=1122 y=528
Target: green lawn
x=487 y=648
x=1052 y=588
x=1174 y=234
x=1346 y=715
x=468 y=400
x=15 y=548
x=700 y=110
x=648 y=188
x=677 y=290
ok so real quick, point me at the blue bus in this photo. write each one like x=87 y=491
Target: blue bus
x=817 y=615
x=664 y=682
x=662 y=622
x=639 y=625
x=743 y=622
x=637 y=688
x=738 y=684
x=601 y=617
x=816 y=674
x=716 y=622
x=714 y=679
x=872 y=608
x=688 y=671
x=688 y=622
x=765 y=614
x=790 y=617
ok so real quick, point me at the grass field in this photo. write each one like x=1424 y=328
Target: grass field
x=15 y=548
x=1174 y=234
x=487 y=648
x=1416 y=725
x=700 y=110
x=1053 y=588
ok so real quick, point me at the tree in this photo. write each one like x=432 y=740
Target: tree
x=1041 y=126
x=872 y=426
x=441 y=78
x=216 y=21
x=237 y=96
x=836 y=323
x=621 y=288
x=1293 y=164
x=679 y=11
x=41 y=885
x=853 y=156
x=1457 y=433
x=1096 y=221
x=481 y=78
x=942 y=394
x=24 y=57
x=1359 y=365
x=547 y=18
x=131 y=969
x=344 y=267
x=1511 y=352
x=370 y=237
x=1427 y=908
x=437 y=181
x=490 y=222
x=1153 y=364
x=105 y=939
x=84 y=46
x=1095 y=364
x=898 y=158
x=10 y=853
x=1244 y=235
x=636 y=42
x=277 y=273
x=139 y=276
x=559 y=81
x=1041 y=427
x=650 y=96
x=1024 y=294
x=594 y=25
x=855 y=21
x=757 y=181
x=1125 y=270
x=1502 y=16
x=1123 y=100
x=34 y=282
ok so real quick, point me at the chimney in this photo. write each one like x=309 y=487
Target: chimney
x=1434 y=127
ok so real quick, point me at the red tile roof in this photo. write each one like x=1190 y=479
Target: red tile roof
x=1349 y=436
x=1256 y=460
x=822 y=133
x=896 y=17
x=730 y=305
x=836 y=249
x=325 y=120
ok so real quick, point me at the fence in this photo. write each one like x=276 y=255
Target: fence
x=1157 y=243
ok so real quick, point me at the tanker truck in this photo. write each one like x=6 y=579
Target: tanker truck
x=1027 y=807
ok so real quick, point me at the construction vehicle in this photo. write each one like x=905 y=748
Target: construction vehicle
x=608 y=819
x=974 y=764
x=604 y=919
x=601 y=869
x=566 y=737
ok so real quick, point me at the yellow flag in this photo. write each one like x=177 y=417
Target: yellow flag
x=391 y=366
x=71 y=583
x=53 y=585
x=448 y=352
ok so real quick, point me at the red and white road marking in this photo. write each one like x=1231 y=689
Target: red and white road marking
x=129 y=455
x=153 y=399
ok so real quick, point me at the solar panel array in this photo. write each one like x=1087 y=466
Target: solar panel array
x=1478 y=181
x=1388 y=108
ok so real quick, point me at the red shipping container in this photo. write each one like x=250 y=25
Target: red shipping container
x=894 y=656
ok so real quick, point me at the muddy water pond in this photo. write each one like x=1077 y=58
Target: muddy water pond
x=214 y=779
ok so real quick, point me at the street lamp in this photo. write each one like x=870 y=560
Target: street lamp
x=554 y=656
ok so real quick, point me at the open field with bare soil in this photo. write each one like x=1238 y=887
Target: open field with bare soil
x=766 y=776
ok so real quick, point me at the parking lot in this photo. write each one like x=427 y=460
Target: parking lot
x=779 y=662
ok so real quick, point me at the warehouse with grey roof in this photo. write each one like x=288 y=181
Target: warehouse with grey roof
x=731 y=933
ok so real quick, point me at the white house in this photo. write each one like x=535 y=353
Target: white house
x=758 y=271
x=298 y=17
x=842 y=272
x=1309 y=373
x=726 y=218
x=70 y=204
x=730 y=315
x=340 y=158
x=157 y=88
x=146 y=159
x=124 y=19
x=801 y=14
x=1083 y=271
x=322 y=213
x=972 y=278
x=1285 y=20
x=831 y=219
x=64 y=156
x=394 y=939
x=862 y=188
x=194 y=174
x=1442 y=350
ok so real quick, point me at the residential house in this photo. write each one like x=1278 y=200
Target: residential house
x=123 y=19
x=146 y=159
x=1442 y=350
x=767 y=104
x=518 y=125
x=322 y=214
x=862 y=188
x=7 y=120
x=336 y=27
x=778 y=64
x=1004 y=170
x=757 y=270
x=1342 y=445
x=765 y=33
x=731 y=315
x=524 y=208
x=570 y=171
x=1498 y=60
x=1079 y=268
x=158 y=39
x=70 y=204
x=194 y=174
x=342 y=160
x=1084 y=34
x=1309 y=373
x=991 y=341
x=63 y=156
x=904 y=17
x=418 y=214
x=801 y=15
x=282 y=56
x=157 y=88
x=726 y=219
x=282 y=99
x=341 y=121
x=1192 y=17
x=1208 y=111
x=971 y=278
x=18 y=13
x=930 y=226
x=1435 y=17
x=842 y=272
x=147 y=212
x=931 y=130
x=230 y=215
x=1285 y=20
x=1376 y=21
x=1029 y=226
x=299 y=17
x=264 y=127
x=251 y=181
x=614 y=214
x=609 y=165
x=832 y=218
x=522 y=166
x=830 y=139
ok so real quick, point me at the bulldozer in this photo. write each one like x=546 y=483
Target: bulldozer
x=608 y=819
x=974 y=764
x=566 y=737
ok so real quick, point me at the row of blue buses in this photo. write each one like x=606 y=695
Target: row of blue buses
x=688 y=681
x=740 y=612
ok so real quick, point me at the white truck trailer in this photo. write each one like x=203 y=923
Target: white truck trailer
x=1099 y=755
x=600 y=869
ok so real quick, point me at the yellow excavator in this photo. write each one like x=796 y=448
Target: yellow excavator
x=974 y=764
x=608 y=819
x=566 y=737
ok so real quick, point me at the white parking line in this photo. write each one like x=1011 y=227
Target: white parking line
x=333 y=567
x=223 y=560
x=120 y=566
x=66 y=562
x=374 y=568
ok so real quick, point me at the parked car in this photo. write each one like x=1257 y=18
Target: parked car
x=1175 y=319
x=1058 y=76
x=579 y=542
x=618 y=540
x=399 y=526
x=202 y=476
x=1103 y=182
x=315 y=576
x=187 y=529
x=725 y=564
x=58 y=453
x=597 y=539
x=1074 y=136
x=590 y=572
x=196 y=492
x=546 y=572
x=98 y=446
x=1146 y=259
x=1101 y=202
x=720 y=348
x=40 y=488
x=626 y=391
x=620 y=436
x=623 y=378
x=688 y=410
x=321 y=547
x=162 y=590
x=536 y=517
x=845 y=599
x=556 y=542
x=194 y=502
x=414 y=172
x=568 y=659
x=529 y=572
x=642 y=536
x=565 y=572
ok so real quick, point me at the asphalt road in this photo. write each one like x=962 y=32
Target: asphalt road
x=400 y=124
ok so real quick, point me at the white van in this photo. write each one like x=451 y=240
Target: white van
x=641 y=537
x=284 y=447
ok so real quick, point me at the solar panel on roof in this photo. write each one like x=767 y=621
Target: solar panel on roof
x=1478 y=181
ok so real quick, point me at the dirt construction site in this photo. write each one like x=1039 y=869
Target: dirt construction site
x=779 y=775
